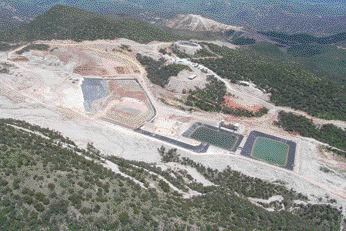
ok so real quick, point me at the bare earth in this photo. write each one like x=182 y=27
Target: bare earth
x=44 y=88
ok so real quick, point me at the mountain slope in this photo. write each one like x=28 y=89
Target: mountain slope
x=48 y=183
x=9 y=16
x=293 y=16
x=296 y=39
x=289 y=83
x=197 y=23
x=62 y=22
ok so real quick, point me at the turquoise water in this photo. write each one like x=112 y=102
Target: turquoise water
x=272 y=151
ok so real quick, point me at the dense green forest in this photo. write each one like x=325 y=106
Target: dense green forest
x=158 y=72
x=289 y=84
x=326 y=61
x=209 y=98
x=6 y=46
x=48 y=184
x=328 y=133
x=243 y=41
x=62 y=22
x=306 y=50
x=322 y=56
x=304 y=38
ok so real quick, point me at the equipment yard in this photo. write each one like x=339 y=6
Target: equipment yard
x=97 y=92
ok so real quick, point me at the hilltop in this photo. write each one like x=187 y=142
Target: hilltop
x=63 y=22
x=292 y=16
x=197 y=23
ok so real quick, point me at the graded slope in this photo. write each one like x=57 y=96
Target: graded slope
x=198 y=23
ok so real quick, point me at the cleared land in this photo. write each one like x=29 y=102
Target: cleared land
x=121 y=101
x=45 y=90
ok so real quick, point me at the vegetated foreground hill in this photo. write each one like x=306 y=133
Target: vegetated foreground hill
x=289 y=84
x=62 y=22
x=48 y=184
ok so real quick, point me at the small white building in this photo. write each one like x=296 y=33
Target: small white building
x=192 y=77
x=229 y=127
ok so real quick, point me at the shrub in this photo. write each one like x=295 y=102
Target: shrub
x=164 y=186
x=51 y=186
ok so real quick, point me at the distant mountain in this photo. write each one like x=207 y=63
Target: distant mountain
x=290 y=16
x=9 y=16
x=63 y=22
x=18 y=12
x=198 y=23
x=319 y=17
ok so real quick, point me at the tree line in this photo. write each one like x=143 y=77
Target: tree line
x=327 y=133
x=157 y=71
x=288 y=84
x=211 y=99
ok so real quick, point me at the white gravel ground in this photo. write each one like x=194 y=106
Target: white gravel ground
x=39 y=105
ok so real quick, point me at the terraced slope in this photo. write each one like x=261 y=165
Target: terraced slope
x=194 y=22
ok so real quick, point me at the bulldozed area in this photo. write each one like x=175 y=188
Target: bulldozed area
x=121 y=101
x=98 y=92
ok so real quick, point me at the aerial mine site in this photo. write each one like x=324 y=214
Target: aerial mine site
x=170 y=123
x=98 y=92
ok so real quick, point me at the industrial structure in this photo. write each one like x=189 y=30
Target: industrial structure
x=187 y=47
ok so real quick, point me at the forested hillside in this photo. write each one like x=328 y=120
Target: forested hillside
x=62 y=22
x=328 y=133
x=326 y=61
x=211 y=98
x=295 y=39
x=48 y=183
x=292 y=16
x=290 y=84
x=158 y=72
